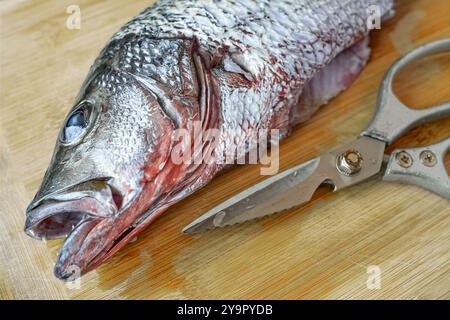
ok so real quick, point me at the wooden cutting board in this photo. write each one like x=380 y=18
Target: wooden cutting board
x=327 y=249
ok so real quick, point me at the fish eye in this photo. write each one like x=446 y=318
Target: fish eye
x=76 y=124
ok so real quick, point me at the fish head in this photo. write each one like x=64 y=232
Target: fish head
x=108 y=145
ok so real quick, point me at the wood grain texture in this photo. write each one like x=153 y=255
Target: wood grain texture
x=322 y=250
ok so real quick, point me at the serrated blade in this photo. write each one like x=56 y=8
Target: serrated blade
x=292 y=188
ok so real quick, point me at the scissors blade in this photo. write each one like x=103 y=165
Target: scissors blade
x=293 y=187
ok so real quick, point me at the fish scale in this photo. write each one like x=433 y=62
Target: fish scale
x=279 y=41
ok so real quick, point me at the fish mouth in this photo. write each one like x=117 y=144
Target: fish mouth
x=73 y=219
x=54 y=219
x=75 y=215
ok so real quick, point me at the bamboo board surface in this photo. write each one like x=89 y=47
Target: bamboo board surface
x=322 y=250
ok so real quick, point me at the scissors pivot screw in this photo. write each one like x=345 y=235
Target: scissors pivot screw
x=350 y=162
x=404 y=159
x=428 y=158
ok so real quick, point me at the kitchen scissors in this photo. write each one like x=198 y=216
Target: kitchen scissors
x=352 y=163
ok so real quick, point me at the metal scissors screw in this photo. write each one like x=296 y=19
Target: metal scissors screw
x=404 y=159
x=350 y=162
x=428 y=158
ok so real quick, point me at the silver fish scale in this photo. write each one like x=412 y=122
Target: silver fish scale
x=123 y=132
x=153 y=58
x=290 y=31
x=280 y=44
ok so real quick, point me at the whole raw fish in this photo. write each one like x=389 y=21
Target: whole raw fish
x=229 y=64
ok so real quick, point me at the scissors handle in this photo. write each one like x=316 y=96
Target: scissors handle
x=424 y=167
x=392 y=118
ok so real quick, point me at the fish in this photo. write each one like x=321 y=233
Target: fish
x=236 y=65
